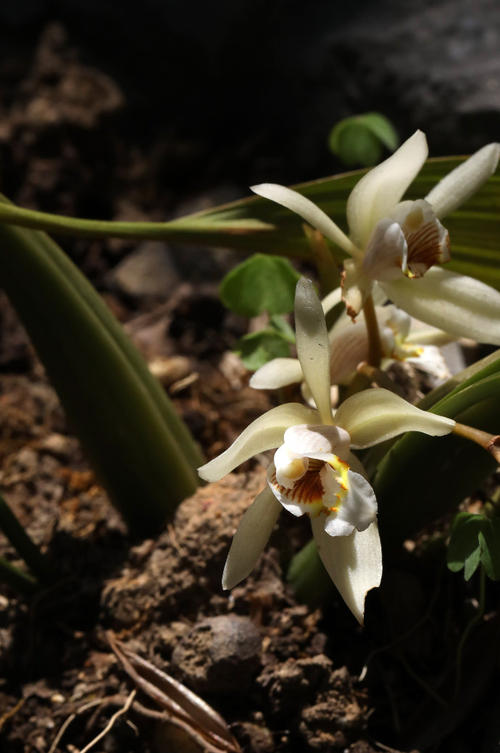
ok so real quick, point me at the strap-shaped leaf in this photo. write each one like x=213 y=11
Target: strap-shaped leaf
x=141 y=451
x=255 y=224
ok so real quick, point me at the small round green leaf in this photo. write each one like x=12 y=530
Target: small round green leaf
x=464 y=550
x=258 y=348
x=360 y=140
x=260 y=284
x=489 y=540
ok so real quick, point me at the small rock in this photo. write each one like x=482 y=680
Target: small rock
x=148 y=271
x=219 y=655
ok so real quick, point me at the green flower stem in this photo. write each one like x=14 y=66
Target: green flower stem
x=17 y=579
x=374 y=344
x=21 y=542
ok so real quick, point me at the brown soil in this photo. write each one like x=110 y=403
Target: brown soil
x=286 y=676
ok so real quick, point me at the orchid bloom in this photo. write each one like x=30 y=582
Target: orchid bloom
x=396 y=243
x=402 y=339
x=314 y=472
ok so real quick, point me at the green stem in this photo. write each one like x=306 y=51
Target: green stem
x=16 y=579
x=489 y=442
x=183 y=229
x=473 y=622
x=21 y=542
x=374 y=344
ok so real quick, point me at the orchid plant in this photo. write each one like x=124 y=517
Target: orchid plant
x=402 y=338
x=314 y=471
x=395 y=245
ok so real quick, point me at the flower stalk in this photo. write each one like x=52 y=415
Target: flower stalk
x=489 y=442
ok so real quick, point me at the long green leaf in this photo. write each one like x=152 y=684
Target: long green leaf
x=421 y=477
x=255 y=224
x=141 y=451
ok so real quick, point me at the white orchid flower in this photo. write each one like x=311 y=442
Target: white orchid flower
x=314 y=471
x=396 y=243
x=402 y=338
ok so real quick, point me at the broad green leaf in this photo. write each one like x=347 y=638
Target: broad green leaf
x=258 y=348
x=262 y=283
x=254 y=224
x=489 y=539
x=419 y=478
x=141 y=451
x=464 y=550
x=358 y=140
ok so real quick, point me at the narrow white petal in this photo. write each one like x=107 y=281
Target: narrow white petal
x=358 y=508
x=423 y=334
x=313 y=349
x=277 y=373
x=463 y=306
x=375 y=415
x=331 y=300
x=374 y=196
x=265 y=433
x=354 y=563
x=459 y=185
x=251 y=537
x=306 y=209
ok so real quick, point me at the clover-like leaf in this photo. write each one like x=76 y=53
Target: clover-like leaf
x=262 y=283
x=257 y=348
x=464 y=549
x=359 y=140
x=489 y=540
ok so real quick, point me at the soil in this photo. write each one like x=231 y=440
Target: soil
x=286 y=675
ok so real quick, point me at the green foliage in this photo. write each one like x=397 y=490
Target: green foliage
x=360 y=140
x=475 y=540
x=140 y=450
x=260 y=284
x=419 y=477
x=257 y=348
x=252 y=223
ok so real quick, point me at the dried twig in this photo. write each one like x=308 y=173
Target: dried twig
x=177 y=704
x=111 y=722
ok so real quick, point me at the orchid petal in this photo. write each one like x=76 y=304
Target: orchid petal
x=349 y=347
x=306 y=209
x=426 y=335
x=312 y=346
x=251 y=537
x=277 y=373
x=375 y=415
x=265 y=433
x=387 y=252
x=432 y=361
x=374 y=196
x=459 y=185
x=318 y=442
x=354 y=563
x=331 y=300
x=461 y=305
x=304 y=496
x=358 y=509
